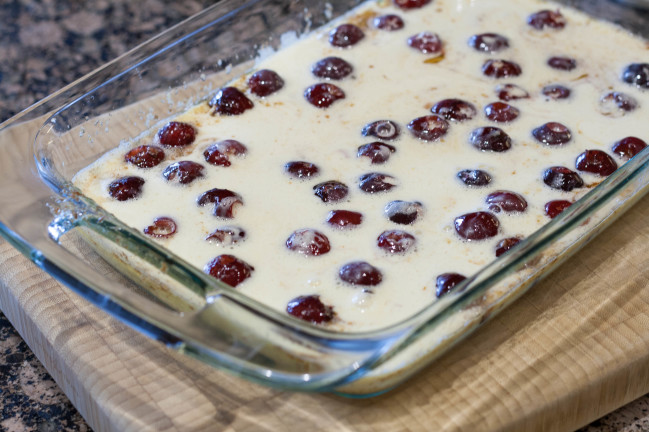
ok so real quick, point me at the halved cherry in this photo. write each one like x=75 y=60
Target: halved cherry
x=454 y=109
x=596 y=162
x=506 y=201
x=345 y=35
x=477 y=225
x=227 y=235
x=229 y=269
x=637 y=74
x=377 y=152
x=145 y=156
x=501 y=112
x=344 y=219
x=498 y=68
x=552 y=133
x=331 y=191
x=230 y=101
x=506 y=244
x=382 y=129
x=426 y=43
x=301 y=169
x=547 y=18
x=556 y=207
x=162 y=227
x=375 y=182
x=429 y=128
x=184 y=171
x=446 y=281
x=562 y=178
x=507 y=92
x=389 y=22
x=176 y=134
x=474 y=177
x=265 y=82
x=489 y=42
x=323 y=95
x=310 y=308
x=308 y=242
x=220 y=152
x=628 y=147
x=404 y=212
x=126 y=188
x=224 y=201
x=490 y=138
x=360 y=273
x=333 y=68
x=395 y=241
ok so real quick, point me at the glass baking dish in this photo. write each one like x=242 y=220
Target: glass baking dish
x=146 y=286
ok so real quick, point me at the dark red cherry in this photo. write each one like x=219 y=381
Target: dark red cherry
x=596 y=162
x=637 y=74
x=301 y=169
x=616 y=104
x=628 y=147
x=145 y=156
x=490 y=138
x=556 y=207
x=507 y=92
x=404 y=212
x=428 y=128
x=506 y=201
x=176 y=134
x=220 y=152
x=332 y=67
x=446 y=281
x=562 y=63
x=497 y=68
x=323 y=95
x=454 y=110
x=388 y=22
x=488 y=42
x=265 y=82
x=395 y=241
x=377 y=152
x=477 y=226
x=506 y=244
x=185 y=171
x=474 y=177
x=344 y=218
x=345 y=35
x=224 y=201
x=556 y=92
x=382 y=129
x=375 y=182
x=227 y=236
x=426 y=42
x=552 y=133
x=546 y=18
x=162 y=227
x=310 y=308
x=562 y=178
x=331 y=191
x=308 y=242
x=126 y=188
x=230 y=101
x=501 y=112
x=410 y=4
x=229 y=269
x=360 y=273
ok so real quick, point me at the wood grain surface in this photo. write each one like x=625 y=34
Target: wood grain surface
x=573 y=348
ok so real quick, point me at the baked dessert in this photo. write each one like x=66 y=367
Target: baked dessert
x=359 y=174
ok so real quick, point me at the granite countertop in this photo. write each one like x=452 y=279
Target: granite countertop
x=45 y=44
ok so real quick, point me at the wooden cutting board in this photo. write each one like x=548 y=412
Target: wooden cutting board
x=569 y=351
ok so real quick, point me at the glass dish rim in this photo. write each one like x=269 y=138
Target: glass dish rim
x=463 y=293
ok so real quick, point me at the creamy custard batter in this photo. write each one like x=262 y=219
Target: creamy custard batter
x=390 y=80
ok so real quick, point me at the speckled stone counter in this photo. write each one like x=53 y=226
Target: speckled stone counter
x=45 y=44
